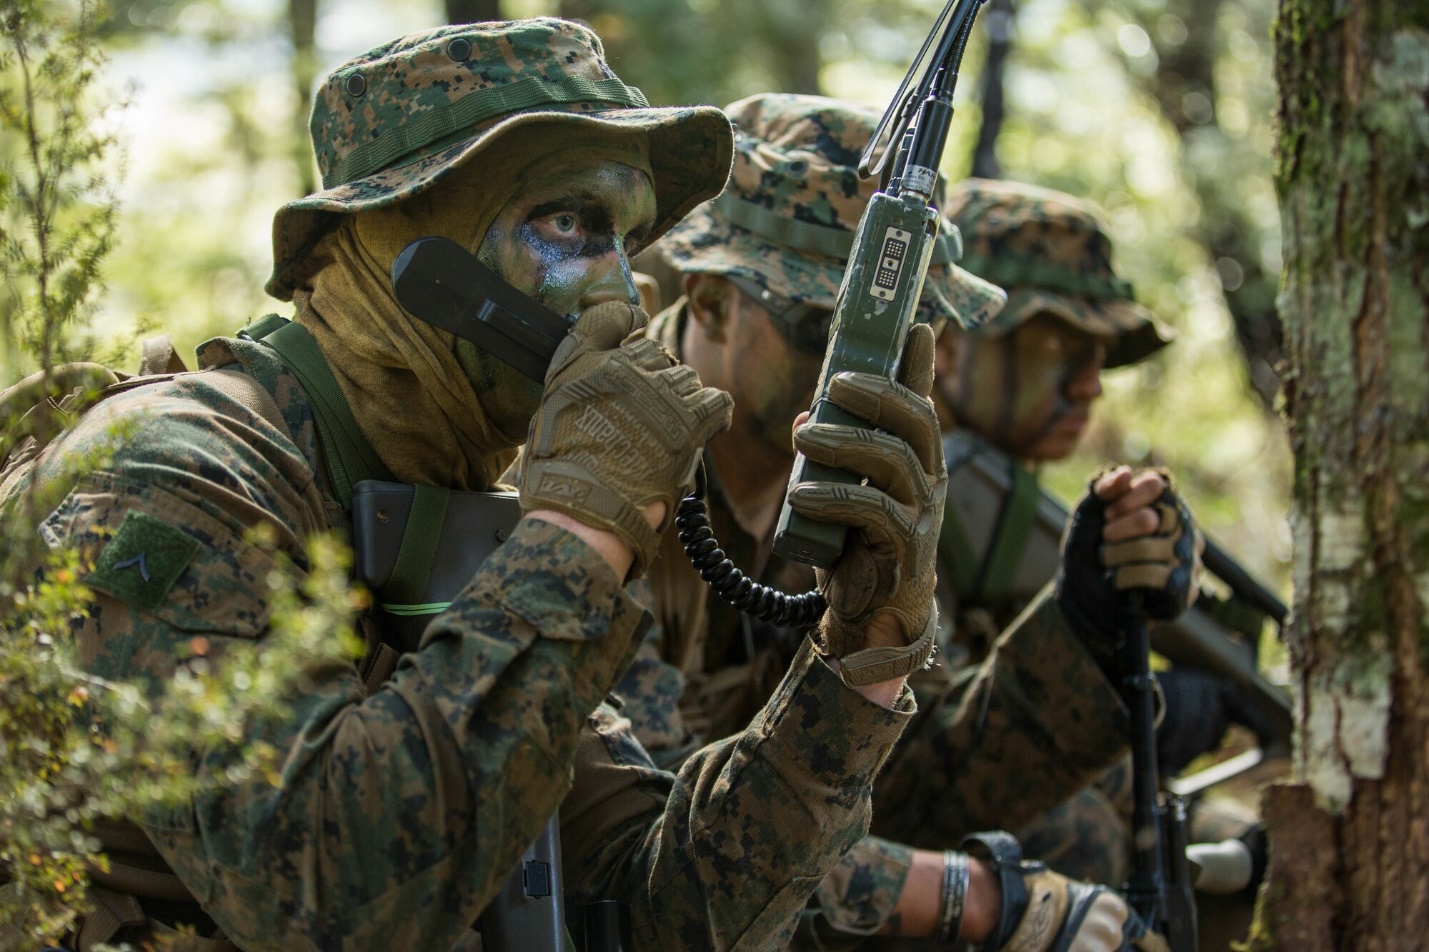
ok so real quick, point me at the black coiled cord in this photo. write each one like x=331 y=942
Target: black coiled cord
x=692 y=518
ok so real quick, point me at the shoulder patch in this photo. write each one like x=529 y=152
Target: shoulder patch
x=143 y=560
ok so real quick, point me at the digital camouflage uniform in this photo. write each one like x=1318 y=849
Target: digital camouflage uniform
x=988 y=748
x=401 y=811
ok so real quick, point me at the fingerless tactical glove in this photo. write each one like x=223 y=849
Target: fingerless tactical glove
x=889 y=561
x=621 y=425
x=1094 y=576
x=1043 y=911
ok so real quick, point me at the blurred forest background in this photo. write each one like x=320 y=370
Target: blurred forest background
x=1159 y=110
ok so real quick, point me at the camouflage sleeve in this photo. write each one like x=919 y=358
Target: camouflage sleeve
x=1029 y=727
x=858 y=896
x=650 y=692
x=726 y=854
x=398 y=815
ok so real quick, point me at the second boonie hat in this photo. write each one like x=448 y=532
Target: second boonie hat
x=1052 y=254
x=786 y=221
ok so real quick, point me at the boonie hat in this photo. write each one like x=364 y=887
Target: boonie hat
x=392 y=122
x=1052 y=254
x=787 y=218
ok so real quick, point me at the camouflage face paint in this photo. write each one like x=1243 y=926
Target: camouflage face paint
x=771 y=381
x=562 y=240
x=1029 y=391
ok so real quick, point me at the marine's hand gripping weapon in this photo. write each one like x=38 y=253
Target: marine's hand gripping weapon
x=892 y=246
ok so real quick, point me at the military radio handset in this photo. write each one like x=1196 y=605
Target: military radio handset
x=443 y=284
x=892 y=246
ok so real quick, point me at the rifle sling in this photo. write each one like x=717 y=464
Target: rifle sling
x=989 y=579
x=407 y=587
x=1014 y=528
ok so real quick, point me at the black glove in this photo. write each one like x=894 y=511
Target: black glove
x=1094 y=576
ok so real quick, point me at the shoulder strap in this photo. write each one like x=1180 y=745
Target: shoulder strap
x=1014 y=526
x=957 y=559
x=349 y=457
x=978 y=578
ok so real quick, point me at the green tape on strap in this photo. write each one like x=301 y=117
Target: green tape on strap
x=428 y=608
x=418 y=552
x=349 y=457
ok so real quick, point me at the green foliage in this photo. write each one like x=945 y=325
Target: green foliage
x=57 y=205
x=75 y=748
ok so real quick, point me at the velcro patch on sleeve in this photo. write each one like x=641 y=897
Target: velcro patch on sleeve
x=143 y=560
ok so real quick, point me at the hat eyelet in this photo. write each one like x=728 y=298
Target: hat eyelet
x=459 y=49
x=356 y=85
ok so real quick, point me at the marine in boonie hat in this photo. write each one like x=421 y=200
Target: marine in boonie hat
x=392 y=122
x=785 y=223
x=1052 y=254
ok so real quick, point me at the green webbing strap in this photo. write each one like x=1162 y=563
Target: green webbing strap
x=956 y=557
x=1012 y=272
x=412 y=611
x=807 y=236
x=350 y=458
x=413 y=568
x=1014 y=528
x=432 y=128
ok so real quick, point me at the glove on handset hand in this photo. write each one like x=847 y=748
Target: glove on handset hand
x=888 y=563
x=1043 y=911
x=621 y=425
x=1095 y=575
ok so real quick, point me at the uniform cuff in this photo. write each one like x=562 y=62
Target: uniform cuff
x=562 y=586
x=835 y=735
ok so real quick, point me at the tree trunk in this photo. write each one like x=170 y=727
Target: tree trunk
x=473 y=11
x=302 y=26
x=1184 y=86
x=998 y=17
x=1349 y=840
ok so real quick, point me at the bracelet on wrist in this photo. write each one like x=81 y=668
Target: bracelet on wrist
x=955 y=894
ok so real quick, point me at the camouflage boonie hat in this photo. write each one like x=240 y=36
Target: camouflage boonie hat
x=395 y=120
x=787 y=218
x=1052 y=254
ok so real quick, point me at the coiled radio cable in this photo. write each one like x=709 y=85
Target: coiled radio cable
x=692 y=519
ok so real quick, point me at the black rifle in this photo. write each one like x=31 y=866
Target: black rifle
x=1160 y=887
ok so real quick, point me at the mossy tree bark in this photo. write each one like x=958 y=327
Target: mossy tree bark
x=1349 y=835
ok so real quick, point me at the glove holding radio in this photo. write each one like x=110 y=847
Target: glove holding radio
x=621 y=425
x=887 y=568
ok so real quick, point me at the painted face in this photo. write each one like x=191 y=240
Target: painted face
x=562 y=240
x=771 y=380
x=1030 y=391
